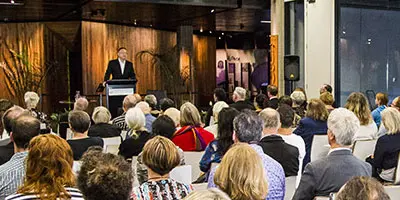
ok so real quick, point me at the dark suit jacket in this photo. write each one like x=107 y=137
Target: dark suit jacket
x=327 y=175
x=6 y=152
x=307 y=128
x=104 y=130
x=241 y=105
x=114 y=69
x=286 y=154
x=273 y=103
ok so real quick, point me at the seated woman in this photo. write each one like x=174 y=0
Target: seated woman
x=299 y=102
x=102 y=127
x=209 y=194
x=137 y=134
x=48 y=171
x=104 y=176
x=314 y=123
x=31 y=101
x=328 y=100
x=387 y=149
x=358 y=104
x=362 y=187
x=160 y=156
x=217 y=148
x=240 y=176
x=191 y=137
x=162 y=126
x=79 y=122
x=213 y=128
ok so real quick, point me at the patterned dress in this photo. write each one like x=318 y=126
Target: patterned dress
x=161 y=190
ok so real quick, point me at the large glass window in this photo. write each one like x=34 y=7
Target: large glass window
x=369 y=51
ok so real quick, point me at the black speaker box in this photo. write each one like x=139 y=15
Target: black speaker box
x=292 y=68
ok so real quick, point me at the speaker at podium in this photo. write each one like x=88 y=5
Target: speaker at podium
x=116 y=90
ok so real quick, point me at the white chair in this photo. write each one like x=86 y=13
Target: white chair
x=135 y=180
x=393 y=191
x=113 y=149
x=69 y=134
x=193 y=158
x=290 y=187
x=321 y=198
x=200 y=186
x=182 y=174
x=397 y=173
x=320 y=147
x=76 y=166
x=112 y=141
x=123 y=135
x=5 y=141
x=363 y=148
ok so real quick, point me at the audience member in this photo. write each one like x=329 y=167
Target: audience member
x=217 y=148
x=209 y=194
x=381 y=101
x=31 y=102
x=160 y=156
x=325 y=88
x=260 y=102
x=362 y=187
x=129 y=102
x=79 y=122
x=396 y=103
x=286 y=115
x=387 y=149
x=4 y=106
x=248 y=128
x=239 y=174
x=191 y=137
x=285 y=100
x=175 y=115
x=81 y=104
x=7 y=151
x=146 y=110
x=102 y=127
x=137 y=134
x=48 y=171
x=104 y=176
x=152 y=101
x=313 y=124
x=327 y=99
x=12 y=173
x=219 y=95
x=162 y=126
x=138 y=97
x=299 y=100
x=272 y=93
x=239 y=97
x=166 y=103
x=329 y=174
x=358 y=104
x=216 y=109
x=274 y=145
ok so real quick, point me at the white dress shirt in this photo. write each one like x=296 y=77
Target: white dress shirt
x=122 y=64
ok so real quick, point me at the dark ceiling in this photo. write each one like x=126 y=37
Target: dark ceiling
x=205 y=15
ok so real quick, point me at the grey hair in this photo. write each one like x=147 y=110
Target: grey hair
x=144 y=106
x=248 y=127
x=151 y=100
x=31 y=99
x=271 y=118
x=240 y=92
x=101 y=115
x=135 y=119
x=344 y=124
x=81 y=104
x=298 y=97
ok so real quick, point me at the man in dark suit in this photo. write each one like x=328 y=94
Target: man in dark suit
x=272 y=92
x=120 y=68
x=329 y=174
x=239 y=97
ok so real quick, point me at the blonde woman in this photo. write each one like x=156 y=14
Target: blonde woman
x=358 y=104
x=315 y=123
x=241 y=174
x=102 y=127
x=191 y=137
x=137 y=134
x=209 y=194
x=385 y=158
x=328 y=100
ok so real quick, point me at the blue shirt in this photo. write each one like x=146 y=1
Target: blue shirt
x=211 y=155
x=149 y=122
x=376 y=114
x=12 y=174
x=274 y=172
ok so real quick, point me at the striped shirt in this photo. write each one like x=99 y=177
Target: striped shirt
x=12 y=174
x=75 y=195
x=120 y=122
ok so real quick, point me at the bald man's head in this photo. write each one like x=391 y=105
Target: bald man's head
x=10 y=115
x=129 y=102
x=24 y=128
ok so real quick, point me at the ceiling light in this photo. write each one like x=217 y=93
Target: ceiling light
x=201 y=30
x=135 y=22
x=213 y=10
x=151 y=25
x=210 y=32
x=12 y=1
x=265 y=22
x=219 y=38
x=222 y=33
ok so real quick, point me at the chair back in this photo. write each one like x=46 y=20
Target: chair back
x=111 y=141
x=393 y=191
x=135 y=182
x=124 y=134
x=4 y=142
x=321 y=198
x=113 y=149
x=200 y=186
x=397 y=173
x=76 y=166
x=182 y=174
x=69 y=134
x=290 y=187
x=319 y=147
x=193 y=158
x=363 y=148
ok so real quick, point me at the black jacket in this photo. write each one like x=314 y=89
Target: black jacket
x=114 y=69
x=104 y=130
x=286 y=154
x=241 y=105
x=273 y=103
x=133 y=146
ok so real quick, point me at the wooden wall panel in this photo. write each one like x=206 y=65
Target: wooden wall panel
x=274 y=61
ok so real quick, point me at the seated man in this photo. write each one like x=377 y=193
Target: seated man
x=79 y=122
x=129 y=102
x=152 y=101
x=12 y=173
x=329 y=174
x=274 y=145
x=146 y=111
x=239 y=97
